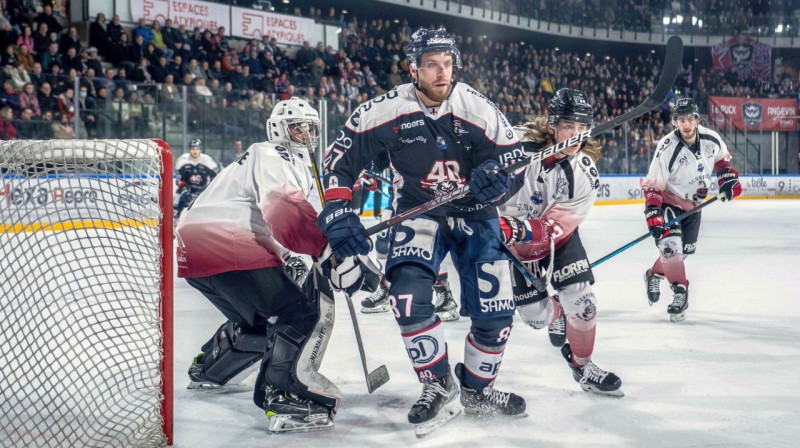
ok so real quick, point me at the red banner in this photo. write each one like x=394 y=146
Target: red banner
x=753 y=114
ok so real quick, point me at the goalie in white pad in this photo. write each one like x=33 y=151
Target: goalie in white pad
x=230 y=246
x=541 y=225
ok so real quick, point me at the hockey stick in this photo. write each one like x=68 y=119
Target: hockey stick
x=379 y=376
x=669 y=72
x=650 y=233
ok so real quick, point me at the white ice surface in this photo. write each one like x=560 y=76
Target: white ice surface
x=725 y=377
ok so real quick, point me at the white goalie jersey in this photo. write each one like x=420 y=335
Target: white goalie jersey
x=257 y=206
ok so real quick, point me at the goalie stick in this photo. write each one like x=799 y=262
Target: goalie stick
x=669 y=72
x=379 y=376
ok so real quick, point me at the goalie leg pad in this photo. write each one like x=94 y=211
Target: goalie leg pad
x=228 y=356
x=295 y=355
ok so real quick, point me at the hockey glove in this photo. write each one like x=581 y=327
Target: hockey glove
x=515 y=231
x=729 y=186
x=655 y=221
x=346 y=234
x=352 y=274
x=488 y=181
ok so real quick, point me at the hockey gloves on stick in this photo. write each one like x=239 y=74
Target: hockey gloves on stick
x=655 y=221
x=514 y=230
x=351 y=274
x=344 y=230
x=488 y=181
x=729 y=186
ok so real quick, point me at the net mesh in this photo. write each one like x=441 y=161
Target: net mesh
x=80 y=292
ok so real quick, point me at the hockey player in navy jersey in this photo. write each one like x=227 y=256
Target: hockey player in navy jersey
x=678 y=180
x=195 y=171
x=230 y=246
x=439 y=134
x=540 y=222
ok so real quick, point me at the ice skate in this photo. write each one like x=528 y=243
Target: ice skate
x=290 y=413
x=558 y=329
x=489 y=401
x=652 y=282
x=446 y=306
x=436 y=406
x=592 y=378
x=680 y=303
x=378 y=301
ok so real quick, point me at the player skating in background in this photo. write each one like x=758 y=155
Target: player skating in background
x=195 y=171
x=230 y=247
x=540 y=222
x=678 y=180
x=439 y=135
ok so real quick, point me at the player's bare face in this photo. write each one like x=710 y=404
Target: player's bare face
x=687 y=126
x=195 y=151
x=565 y=130
x=434 y=77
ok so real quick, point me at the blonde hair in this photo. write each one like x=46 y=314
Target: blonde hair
x=537 y=131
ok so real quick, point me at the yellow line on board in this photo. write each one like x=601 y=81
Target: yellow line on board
x=72 y=225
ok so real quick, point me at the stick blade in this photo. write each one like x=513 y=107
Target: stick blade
x=377 y=378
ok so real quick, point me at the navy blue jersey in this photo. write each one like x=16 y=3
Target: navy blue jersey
x=432 y=151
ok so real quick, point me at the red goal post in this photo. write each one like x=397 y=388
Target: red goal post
x=86 y=284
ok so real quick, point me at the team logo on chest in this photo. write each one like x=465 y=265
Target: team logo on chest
x=443 y=177
x=536 y=198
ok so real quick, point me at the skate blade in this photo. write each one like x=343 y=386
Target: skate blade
x=679 y=317
x=448 y=316
x=204 y=385
x=482 y=413
x=447 y=413
x=218 y=389
x=651 y=302
x=608 y=393
x=280 y=424
x=376 y=309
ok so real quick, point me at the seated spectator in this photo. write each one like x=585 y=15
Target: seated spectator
x=7 y=129
x=72 y=61
x=98 y=35
x=29 y=100
x=47 y=102
x=41 y=40
x=66 y=104
x=62 y=127
x=70 y=40
x=143 y=30
x=9 y=97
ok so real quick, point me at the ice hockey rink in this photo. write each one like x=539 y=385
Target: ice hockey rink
x=727 y=376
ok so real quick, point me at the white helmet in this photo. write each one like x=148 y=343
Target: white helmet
x=290 y=112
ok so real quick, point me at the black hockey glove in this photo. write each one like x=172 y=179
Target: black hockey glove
x=655 y=221
x=343 y=228
x=488 y=181
x=729 y=186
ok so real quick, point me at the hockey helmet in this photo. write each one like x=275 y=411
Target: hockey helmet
x=196 y=142
x=570 y=104
x=428 y=41
x=684 y=106
x=294 y=111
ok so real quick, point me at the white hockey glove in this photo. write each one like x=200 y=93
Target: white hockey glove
x=351 y=274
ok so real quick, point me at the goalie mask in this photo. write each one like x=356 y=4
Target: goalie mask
x=294 y=124
x=569 y=104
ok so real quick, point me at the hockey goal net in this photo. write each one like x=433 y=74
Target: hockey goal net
x=85 y=293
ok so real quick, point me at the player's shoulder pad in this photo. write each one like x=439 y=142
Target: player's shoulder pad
x=383 y=108
x=206 y=160
x=708 y=134
x=468 y=102
x=667 y=143
x=272 y=153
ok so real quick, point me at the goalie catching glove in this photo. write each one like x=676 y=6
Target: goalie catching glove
x=514 y=230
x=351 y=274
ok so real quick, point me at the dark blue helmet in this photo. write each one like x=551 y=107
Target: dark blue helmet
x=684 y=106
x=428 y=41
x=196 y=142
x=569 y=104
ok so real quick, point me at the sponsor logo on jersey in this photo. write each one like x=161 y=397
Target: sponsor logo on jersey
x=408 y=251
x=586 y=160
x=458 y=129
x=440 y=143
x=494 y=305
x=570 y=270
x=409 y=141
x=683 y=160
x=689 y=248
x=536 y=198
x=409 y=125
x=509 y=134
x=422 y=349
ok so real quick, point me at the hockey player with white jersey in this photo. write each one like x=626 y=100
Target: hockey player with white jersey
x=195 y=171
x=540 y=223
x=439 y=135
x=678 y=180
x=230 y=246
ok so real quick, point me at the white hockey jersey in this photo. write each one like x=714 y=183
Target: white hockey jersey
x=204 y=160
x=561 y=192
x=256 y=207
x=683 y=174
